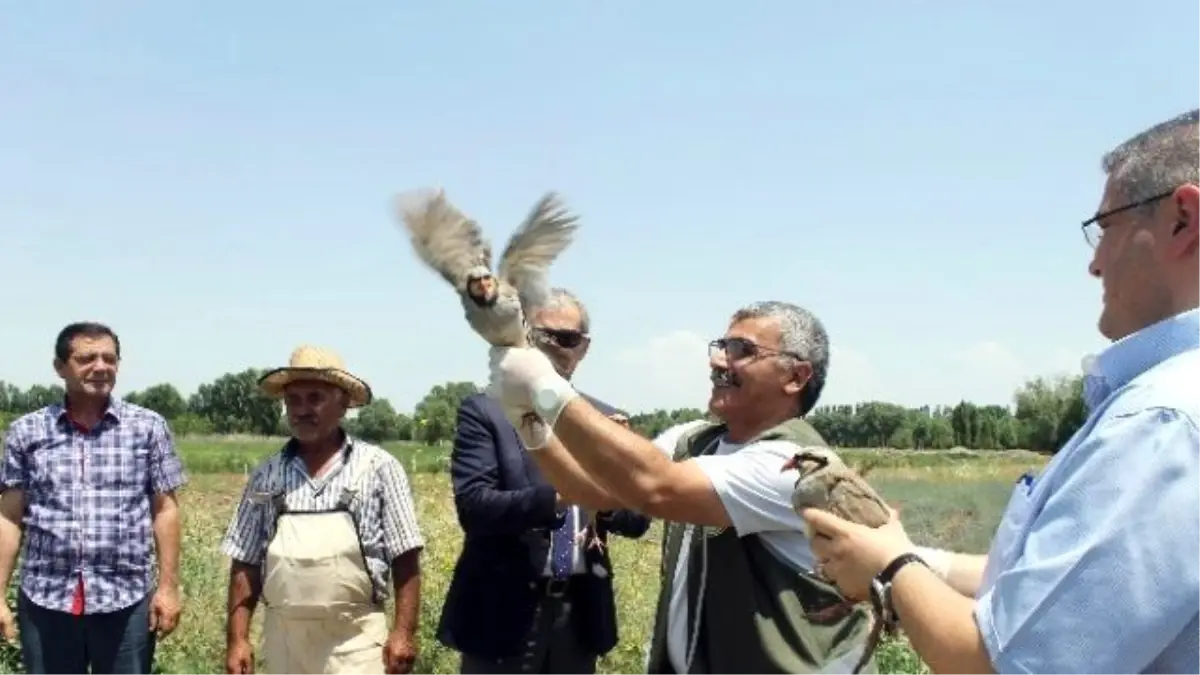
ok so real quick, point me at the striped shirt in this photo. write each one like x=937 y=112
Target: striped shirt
x=1093 y=568
x=385 y=512
x=87 y=496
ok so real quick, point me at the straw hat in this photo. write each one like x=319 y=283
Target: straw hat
x=310 y=363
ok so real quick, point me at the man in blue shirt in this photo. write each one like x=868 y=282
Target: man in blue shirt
x=1094 y=565
x=88 y=507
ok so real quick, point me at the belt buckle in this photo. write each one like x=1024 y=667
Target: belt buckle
x=556 y=588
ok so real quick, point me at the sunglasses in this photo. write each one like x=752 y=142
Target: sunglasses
x=737 y=348
x=567 y=339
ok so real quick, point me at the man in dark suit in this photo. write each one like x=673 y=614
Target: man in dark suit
x=526 y=595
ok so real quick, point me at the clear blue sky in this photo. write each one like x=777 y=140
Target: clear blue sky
x=214 y=179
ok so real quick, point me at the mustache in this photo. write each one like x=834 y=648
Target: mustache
x=724 y=377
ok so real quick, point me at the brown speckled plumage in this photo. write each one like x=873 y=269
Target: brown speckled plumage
x=827 y=483
x=495 y=303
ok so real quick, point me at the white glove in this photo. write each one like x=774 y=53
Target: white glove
x=535 y=434
x=527 y=387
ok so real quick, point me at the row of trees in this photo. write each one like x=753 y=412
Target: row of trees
x=1044 y=414
x=232 y=404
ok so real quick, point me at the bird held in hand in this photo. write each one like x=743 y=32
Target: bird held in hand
x=496 y=303
x=827 y=483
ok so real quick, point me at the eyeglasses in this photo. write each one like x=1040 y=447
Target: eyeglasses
x=567 y=339
x=738 y=348
x=1094 y=227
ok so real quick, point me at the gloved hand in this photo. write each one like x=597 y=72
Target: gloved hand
x=529 y=390
x=535 y=434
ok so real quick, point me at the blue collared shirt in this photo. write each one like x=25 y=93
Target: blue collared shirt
x=1094 y=567
x=87 y=497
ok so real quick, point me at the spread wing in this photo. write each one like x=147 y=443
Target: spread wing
x=546 y=232
x=442 y=236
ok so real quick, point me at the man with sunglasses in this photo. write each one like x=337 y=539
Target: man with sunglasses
x=738 y=592
x=1093 y=568
x=527 y=594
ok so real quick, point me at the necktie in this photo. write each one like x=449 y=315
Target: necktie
x=562 y=543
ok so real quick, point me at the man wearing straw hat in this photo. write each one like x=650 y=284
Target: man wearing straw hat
x=322 y=526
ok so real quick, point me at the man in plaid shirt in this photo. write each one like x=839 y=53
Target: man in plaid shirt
x=324 y=527
x=89 y=482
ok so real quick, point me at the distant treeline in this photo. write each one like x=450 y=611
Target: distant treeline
x=1044 y=414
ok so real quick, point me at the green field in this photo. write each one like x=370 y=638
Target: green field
x=949 y=499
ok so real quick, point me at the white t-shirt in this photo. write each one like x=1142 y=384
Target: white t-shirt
x=758 y=498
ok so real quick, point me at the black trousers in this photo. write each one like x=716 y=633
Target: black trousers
x=550 y=646
x=60 y=642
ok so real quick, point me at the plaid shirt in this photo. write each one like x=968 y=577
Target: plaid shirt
x=386 y=515
x=87 y=498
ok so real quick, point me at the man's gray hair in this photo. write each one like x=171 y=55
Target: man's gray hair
x=802 y=334
x=1157 y=160
x=560 y=297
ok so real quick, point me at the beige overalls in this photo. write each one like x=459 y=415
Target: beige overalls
x=320 y=611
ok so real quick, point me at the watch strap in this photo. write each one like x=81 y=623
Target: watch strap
x=885 y=577
x=881 y=587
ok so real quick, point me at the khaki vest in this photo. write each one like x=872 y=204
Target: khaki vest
x=321 y=614
x=753 y=616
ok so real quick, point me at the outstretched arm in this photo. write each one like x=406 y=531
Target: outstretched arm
x=627 y=465
x=1104 y=522
x=571 y=481
x=635 y=471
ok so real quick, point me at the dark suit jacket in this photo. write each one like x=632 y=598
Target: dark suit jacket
x=506 y=509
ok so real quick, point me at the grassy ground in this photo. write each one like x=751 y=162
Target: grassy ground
x=951 y=501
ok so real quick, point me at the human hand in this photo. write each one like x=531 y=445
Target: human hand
x=239 y=657
x=399 y=653
x=515 y=372
x=8 y=625
x=524 y=381
x=534 y=433
x=165 y=608
x=851 y=555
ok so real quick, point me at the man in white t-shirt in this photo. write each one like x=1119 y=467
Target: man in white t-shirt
x=740 y=597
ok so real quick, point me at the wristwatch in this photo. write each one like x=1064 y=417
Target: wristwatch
x=881 y=587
